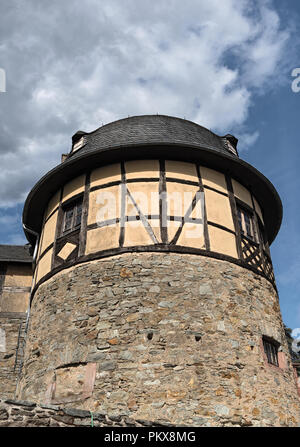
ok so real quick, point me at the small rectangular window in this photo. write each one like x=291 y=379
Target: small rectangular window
x=271 y=350
x=72 y=216
x=246 y=223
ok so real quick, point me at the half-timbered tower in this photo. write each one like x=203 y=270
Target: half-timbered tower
x=154 y=294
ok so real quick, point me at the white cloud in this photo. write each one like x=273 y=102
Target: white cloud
x=296 y=333
x=71 y=68
x=296 y=342
x=262 y=58
x=246 y=140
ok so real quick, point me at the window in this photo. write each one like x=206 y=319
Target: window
x=72 y=216
x=78 y=144
x=271 y=350
x=246 y=223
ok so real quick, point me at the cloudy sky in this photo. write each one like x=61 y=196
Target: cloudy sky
x=226 y=65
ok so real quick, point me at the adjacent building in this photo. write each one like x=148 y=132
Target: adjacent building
x=15 y=287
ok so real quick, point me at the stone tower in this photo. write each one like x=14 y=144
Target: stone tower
x=154 y=294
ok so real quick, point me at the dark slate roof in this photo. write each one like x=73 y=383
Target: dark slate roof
x=151 y=129
x=15 y=253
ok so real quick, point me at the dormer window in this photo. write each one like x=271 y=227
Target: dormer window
x=231 y=143
x=78 y=140
x=78 y=145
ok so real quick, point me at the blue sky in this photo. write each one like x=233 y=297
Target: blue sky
x=225 y=65
x=276 y=154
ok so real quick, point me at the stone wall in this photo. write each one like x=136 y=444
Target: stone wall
x=175 y=338
x=12 y=326
x=27 y=414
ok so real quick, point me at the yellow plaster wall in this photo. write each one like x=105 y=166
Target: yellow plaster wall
x=181 y=170
x=105 y=174
x=218 y=209
x=142 y=169
x=19 y=275
x=241 y=192
x=222 y=242
x=258 y=209
x=39 y=250
x=179 y=198
x=214 y=179
x=49 y=231
x=109 y=209
x=192 y=235
x=74 y=187
x=44 y=265
x=34 y=276
x=136 y=234
x=53 y=203
x=102 y=238
x=146 y=196
x=172 y=227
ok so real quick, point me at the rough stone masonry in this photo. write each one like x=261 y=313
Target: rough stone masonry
x=15 y=413
x=167 y=337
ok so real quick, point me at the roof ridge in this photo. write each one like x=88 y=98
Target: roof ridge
x=152 y=115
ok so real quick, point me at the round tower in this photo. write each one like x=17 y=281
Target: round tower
x=154 y=295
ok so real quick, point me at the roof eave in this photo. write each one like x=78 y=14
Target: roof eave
x=250 y=177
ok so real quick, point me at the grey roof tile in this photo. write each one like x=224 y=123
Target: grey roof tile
x=151 y=129
x=15 y=253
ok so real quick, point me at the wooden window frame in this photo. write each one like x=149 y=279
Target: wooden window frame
x=263 y=237
x=271 y=349
x=247 y=211
x=73 y=205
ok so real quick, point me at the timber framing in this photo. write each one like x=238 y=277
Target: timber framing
x=163 y=202
x=204 y=217
x=58 y=228
x=233 y=206
x=207 y=157
x=123 y=204
x=84 y=217
x=250 y=253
